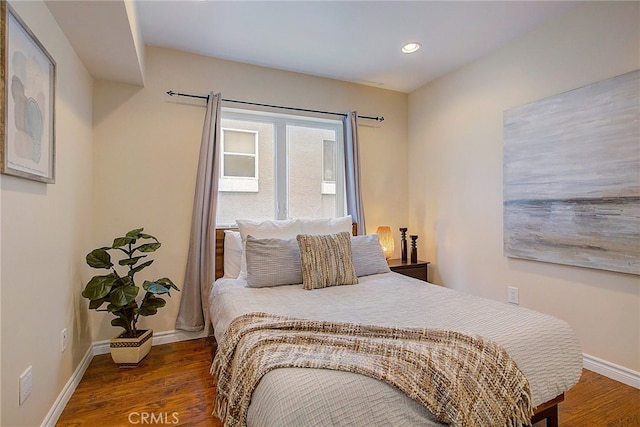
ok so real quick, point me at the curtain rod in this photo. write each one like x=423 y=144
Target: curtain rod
x=172 y=93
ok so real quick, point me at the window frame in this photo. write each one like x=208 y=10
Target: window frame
x=280 y=122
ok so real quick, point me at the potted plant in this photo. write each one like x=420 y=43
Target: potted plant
x=119 y=292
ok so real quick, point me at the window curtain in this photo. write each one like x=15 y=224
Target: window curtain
x=200 y=273
x=355 y=208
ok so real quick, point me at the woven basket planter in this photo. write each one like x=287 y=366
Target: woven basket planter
x=129 y=352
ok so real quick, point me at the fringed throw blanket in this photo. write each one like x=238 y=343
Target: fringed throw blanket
x=461 y=379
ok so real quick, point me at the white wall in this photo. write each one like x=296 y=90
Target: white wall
x=146 y=151
x=455 y=174
x=45 y=232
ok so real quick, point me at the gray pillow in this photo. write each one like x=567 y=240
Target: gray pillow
x=367 y=255
x=272 y=262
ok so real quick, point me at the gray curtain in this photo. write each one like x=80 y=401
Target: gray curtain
x=200 y=273
x=355 y=208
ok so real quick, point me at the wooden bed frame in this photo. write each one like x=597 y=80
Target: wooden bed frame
x=220 y=251
x=547 y=411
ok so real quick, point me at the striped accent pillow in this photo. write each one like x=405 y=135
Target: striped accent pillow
x=326 y=260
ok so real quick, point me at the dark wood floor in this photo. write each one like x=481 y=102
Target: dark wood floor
x=172 y=386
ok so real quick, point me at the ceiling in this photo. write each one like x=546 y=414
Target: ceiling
x=356 y=41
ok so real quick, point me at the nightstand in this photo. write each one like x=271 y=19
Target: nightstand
x=417 y=270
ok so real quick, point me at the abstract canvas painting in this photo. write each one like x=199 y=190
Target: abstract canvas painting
x=29 y=92
x=572 y=177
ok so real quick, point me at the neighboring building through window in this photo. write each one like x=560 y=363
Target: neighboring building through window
x=239 y=169
x=328 y=167
x=277 y=166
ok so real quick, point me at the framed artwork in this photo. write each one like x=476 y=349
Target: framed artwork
x=571 y=169
x=28 y=111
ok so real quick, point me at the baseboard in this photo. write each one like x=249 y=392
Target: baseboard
x=611 y=370
x=102 y=347
x=67 y=391
x=159 y=338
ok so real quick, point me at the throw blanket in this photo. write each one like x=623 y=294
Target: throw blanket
x=461 y=379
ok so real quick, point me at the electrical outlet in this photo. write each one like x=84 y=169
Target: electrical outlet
x=26 y=384
x=63 y=340
x=512 y=295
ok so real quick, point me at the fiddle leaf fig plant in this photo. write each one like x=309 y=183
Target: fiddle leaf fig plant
x=118 y=290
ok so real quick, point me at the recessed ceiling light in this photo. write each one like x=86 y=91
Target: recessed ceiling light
x=411 y=47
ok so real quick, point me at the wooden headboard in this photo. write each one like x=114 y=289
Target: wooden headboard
x=220 y=247
x=220 y=251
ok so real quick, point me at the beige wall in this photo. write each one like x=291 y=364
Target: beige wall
x=146 y=150
x=140 y=171
x=46 y=230
x=455 y=171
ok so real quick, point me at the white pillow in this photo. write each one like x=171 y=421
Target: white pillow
x=232 y=254
x=317 y=226
x=279 y=229
x=367 y=255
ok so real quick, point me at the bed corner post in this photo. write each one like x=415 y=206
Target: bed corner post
x=548 y=411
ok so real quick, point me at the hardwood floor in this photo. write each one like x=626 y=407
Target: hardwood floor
x=598 y=401
x=172 y=386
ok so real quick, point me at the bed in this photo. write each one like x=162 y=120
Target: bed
x=544 y=348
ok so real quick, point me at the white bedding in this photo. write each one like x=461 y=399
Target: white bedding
x=545 y=348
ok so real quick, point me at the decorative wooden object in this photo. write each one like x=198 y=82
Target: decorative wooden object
x=403 y=243
x=414 y=249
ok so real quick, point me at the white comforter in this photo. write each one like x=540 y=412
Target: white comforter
x=544 y=347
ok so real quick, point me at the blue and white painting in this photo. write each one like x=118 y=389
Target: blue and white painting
x=30 y=91
x=572 y=177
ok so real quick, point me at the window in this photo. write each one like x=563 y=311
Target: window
x=239 y=169
x=277 y=166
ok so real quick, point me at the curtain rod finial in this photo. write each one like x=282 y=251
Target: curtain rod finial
x=170 y=93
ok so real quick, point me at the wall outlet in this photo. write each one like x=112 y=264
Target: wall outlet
x=512 y=295
x=63 y=340
x=26 y=384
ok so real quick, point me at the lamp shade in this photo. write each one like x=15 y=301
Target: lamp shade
x=386 y=240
